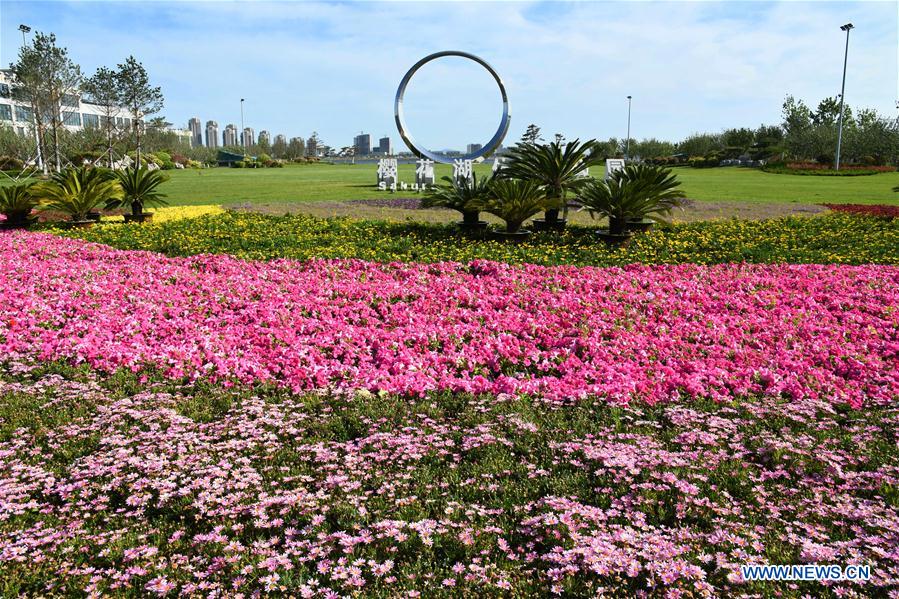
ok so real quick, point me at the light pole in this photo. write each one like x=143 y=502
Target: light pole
x=241 y=123
x=627 y=142
x=25 y=29
x=836 y=165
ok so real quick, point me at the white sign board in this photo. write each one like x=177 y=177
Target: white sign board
x=612 y=165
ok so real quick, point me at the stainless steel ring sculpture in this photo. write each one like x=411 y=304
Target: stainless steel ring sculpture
x=494 y=142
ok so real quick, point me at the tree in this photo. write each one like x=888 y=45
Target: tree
x=49 y=79
x=531 y=135
x=103 y=90
x=348 y=152
x=263 y=146
x=700 y=144
x=608 y=149
x=279 y=148
x=740 y=138
x=828 y=113
x=314 y=145
x=797 y=117
x=651 y=148
x=296 y=148
x=158 y=124
x=138 y=95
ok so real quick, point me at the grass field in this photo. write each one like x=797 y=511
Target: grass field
x=303 y=183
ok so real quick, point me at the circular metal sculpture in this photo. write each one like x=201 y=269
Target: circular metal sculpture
x=494 y=142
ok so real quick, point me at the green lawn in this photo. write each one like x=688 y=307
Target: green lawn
x=322 y=182
x=298 y=183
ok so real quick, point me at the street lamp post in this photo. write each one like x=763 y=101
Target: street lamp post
x=39 y=158
x=241 y=123
x=627 y=142
x=836 y=165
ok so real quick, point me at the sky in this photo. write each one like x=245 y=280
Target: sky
x=334 y=68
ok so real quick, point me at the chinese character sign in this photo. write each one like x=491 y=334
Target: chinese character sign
x=387 y=171
x=462 y=169
x=424 y=172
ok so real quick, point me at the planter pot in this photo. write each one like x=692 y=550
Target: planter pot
x=614 y=240
x=81 y=224
x=94 y=216
x=17 y=221
x=505 y=236
x=542 y=224
x=472 y=226
x=641 y=225
x=139 y=218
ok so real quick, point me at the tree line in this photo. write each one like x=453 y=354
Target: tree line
x=49 y=81
x=805 y=134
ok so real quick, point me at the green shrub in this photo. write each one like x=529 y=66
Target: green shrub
x=11 y=163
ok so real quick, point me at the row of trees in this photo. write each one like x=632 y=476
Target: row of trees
x=804 y=134
x=49 y=81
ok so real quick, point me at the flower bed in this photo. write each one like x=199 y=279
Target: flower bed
x=866 y=209
x=648 y=333
x=833 y=238
x=826 y=170
x=125 y=487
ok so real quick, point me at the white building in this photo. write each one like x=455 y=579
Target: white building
x=212 y=134
x=77 y=112
x=264 y=136
x=248 y=137
x=196 y=132
x=229 y=137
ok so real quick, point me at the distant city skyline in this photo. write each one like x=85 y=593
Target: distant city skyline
x=304 y=67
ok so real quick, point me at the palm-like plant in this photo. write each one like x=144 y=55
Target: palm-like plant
x=514 y=201
x=461 y=195
x=635 y=192
x=77 y=191
x=556 y=167
x=140 y=187
x=16 y=204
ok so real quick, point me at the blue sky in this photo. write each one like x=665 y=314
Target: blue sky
x=334 y=67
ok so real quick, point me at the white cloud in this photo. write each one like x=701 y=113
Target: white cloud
x=334 y=67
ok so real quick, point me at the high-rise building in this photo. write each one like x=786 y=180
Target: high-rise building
x=362 y=144
x=280 y=138
x=212 y=134
x=264 y=136
x=196 y=132
x=248 y=137
x=472 y=148
x=385 y=147
x=229 y=137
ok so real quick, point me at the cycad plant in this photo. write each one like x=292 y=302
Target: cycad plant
x=633 y=193
x=556 y=167
x=461 y=195
x=514 y=201
x=77 y=191
x=140 y=189
x=16 y=204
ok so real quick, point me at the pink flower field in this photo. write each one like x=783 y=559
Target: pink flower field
x=214 y=427
x=653 y=333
